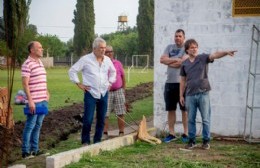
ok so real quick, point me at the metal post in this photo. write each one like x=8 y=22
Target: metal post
x=71 y=59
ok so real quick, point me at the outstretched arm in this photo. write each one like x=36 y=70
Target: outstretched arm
x=220 y=54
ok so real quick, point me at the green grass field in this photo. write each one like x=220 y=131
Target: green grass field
x=63 y=92
x=168 y=155
x=140 y=154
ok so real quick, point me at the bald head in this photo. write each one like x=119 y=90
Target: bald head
x=35 y=49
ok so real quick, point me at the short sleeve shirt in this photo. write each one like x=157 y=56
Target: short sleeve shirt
x=173 y=74
x=196 y=74
x=119 y=75
x=36 y=73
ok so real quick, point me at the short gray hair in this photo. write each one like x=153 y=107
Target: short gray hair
x=98 y=41
x=109 y=47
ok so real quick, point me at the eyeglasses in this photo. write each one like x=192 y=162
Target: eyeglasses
x=108 y=52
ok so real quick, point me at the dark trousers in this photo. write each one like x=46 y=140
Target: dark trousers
x=90 y=104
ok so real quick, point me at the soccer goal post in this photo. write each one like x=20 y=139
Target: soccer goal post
x=144 y=64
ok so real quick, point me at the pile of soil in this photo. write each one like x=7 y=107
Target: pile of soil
x=59 y=124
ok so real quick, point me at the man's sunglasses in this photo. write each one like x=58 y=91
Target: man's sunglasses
x=107 y=52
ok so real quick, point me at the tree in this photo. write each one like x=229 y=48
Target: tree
x=70 y=48
x=84 y=20
x=22 y=14
x=15 y=13
x=29 y=34
x=53 y=45
x=145 y=26
x=2 y=29
x=33 y=28
x=3 y=47
x=124 y=43
x=16 y=20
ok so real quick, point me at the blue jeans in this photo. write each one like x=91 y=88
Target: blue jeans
x=199 y=101
x=90 y=104
x=31 y=131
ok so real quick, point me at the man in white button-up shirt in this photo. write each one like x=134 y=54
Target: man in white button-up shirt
x=98 y=73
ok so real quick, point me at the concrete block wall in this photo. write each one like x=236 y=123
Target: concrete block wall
x=212 y=25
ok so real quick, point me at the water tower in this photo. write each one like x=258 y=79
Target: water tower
x=122 y=23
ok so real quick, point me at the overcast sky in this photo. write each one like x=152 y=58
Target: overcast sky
x=55 y=16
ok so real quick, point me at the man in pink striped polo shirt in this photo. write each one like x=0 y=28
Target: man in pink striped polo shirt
x=35 y=86
x=116 y=97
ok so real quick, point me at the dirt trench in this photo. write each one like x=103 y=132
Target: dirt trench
x=59 y=124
